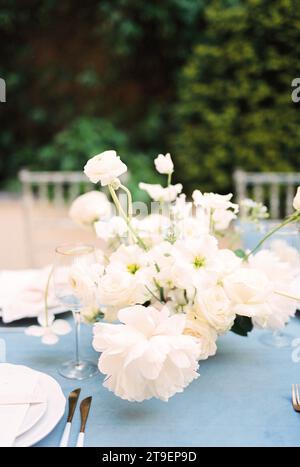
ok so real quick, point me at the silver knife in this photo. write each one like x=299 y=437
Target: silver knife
x=84 y=412
x=73 y=398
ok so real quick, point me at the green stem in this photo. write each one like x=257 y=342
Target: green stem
x=129 y=199
x=169 y=179
x=125 y=217
x=294 y=217
x=129 y=209
x=283 y=294
x=46 y=296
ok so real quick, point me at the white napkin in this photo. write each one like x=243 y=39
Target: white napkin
x=22 y=293
x=18 y=381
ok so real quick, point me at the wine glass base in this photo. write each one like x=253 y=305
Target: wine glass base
x=278 y=340
x=82 y=370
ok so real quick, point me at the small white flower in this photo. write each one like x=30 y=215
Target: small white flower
x=105 y=168
x=147 y=355
x=89 y=208
x=296 y=202
x=158 y=193
x=164 y=164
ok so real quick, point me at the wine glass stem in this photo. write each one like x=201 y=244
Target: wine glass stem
x=77 y=319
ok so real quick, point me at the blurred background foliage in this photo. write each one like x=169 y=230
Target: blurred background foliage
x=208 y=80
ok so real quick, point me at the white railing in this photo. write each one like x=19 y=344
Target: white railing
x=59 y=187
x=275 y=189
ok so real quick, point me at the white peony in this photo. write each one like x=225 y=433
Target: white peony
x=296 y=202
x=104 y=168
x=249 y=290
x=158 y=193
x=89 y=208
x=147 y=355
x=164 y=164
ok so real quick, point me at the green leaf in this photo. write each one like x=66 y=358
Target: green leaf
x=242 y=325
x=240 y=253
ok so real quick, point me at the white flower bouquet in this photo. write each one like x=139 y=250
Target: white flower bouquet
x=166 y=289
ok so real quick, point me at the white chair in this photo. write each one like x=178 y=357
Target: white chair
x=274 y=189
x=46 y=197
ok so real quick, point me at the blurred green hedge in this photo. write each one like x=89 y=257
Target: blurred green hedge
x=235 y=108
x=207 y=80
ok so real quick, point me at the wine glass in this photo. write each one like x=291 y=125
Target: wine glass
x=68 y=257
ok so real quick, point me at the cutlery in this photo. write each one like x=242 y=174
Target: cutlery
x=295 y=397
x=73 y=398
x=84 y=412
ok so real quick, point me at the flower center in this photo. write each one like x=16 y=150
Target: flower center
x=133 y=268
x=199 y=262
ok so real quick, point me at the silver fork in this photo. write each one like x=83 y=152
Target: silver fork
x=296 y=397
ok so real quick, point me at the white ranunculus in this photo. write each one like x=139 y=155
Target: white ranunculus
x=164 y=164
x=296 y=202
x=214 y=201
x=215 y=307
x=206 y=335
x=115 y=227
x=104 y=168
x=89 y=208
x=222 y=218
x=82 y=283
x=147 y=355
x=158 y=193
x=119 y=289
x=249 y=290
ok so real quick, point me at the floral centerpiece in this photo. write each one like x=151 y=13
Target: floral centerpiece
x=166 y=289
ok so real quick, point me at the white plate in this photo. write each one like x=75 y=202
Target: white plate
x=34 y=413
x=56 y=310
x=56 y=404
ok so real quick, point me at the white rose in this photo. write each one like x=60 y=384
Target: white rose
x=158 y=193
x=89 y=208
x=215 y=307
x=296 y=202
x=118 y=289
x=164 y=164
x=105 y=168
x=249 y=290
x=206 y=336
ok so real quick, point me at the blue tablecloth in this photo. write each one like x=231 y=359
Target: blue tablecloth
x=242 y=398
